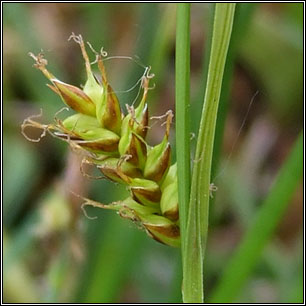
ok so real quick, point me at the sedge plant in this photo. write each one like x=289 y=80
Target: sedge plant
x=166 y=200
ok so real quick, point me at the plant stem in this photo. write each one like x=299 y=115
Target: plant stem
x=182 y=97
x=197 y=224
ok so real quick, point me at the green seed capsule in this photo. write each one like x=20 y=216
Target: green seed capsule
x=169 y=202
x=72 y=96
x=93 y=89
x=80 y=121
x=108 y=110
x=158 y=227
x=143 y=120
x=139 y=126
x=145 y=192
x=109 y=167
x=158 y=161
x=75 y=98
x=128 y=208
x=86 y=131
x=131 y=209
x=161 y=229
x=170 y=178
x=135 y=147
x=137 y=119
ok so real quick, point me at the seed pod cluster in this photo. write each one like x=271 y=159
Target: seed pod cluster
x=115 y=143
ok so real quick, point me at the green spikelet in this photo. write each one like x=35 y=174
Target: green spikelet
x=115 y=144
x=137 y=119
x=135 y=148
x=108 y=108
x=159 y=157
x=87 y=132
x=115 y=168
x=75 y=98
x=169 y=202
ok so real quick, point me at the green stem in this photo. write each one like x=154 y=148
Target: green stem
x=182 y=97
x=197 y=224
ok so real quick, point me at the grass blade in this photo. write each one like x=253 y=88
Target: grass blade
x=197 y=101
x=197 y=225
x=243 y=16
x=262 y=228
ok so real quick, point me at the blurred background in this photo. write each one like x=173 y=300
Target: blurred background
x=52 y=252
